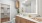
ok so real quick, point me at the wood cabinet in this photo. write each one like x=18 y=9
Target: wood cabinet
x=22 y=20
x=28 y=21
x=0 y=20
x=5 y=19
x=17 y=19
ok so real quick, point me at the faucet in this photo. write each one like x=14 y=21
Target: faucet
x=38 y=16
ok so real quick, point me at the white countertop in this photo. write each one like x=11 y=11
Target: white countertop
x=28 y=18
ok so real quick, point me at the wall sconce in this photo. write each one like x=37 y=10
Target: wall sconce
x=17 y=4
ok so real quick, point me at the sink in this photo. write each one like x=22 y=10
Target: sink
x=38 y=19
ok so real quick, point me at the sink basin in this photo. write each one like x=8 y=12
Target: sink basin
x=38 y=19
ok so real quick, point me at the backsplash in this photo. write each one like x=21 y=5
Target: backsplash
x=27 y=14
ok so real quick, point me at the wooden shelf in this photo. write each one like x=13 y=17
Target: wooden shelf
x=5 y=19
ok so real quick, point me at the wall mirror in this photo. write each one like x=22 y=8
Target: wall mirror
x=28 y=6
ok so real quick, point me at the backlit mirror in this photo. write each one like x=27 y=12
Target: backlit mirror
x=28 y=6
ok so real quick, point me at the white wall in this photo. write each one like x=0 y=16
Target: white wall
x=40 y=7
x=0 y=11
x=13 y=11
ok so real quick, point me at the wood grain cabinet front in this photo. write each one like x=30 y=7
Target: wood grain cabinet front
x=28 y=21
x=22 y=20
x=17 y=20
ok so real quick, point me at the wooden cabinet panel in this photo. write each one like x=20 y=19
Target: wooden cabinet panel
x=0 y=20
x=28 y=21
x=17 y=19
x=23 y=20
x=5 y=19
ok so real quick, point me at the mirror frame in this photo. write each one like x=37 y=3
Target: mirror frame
x=36 y=9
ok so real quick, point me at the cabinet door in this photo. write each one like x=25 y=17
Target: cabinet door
x=17 y=19
x=28 y=21
x=23 y=20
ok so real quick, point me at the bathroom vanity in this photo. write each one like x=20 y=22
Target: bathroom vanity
x=29 y=8
x=22 y=19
